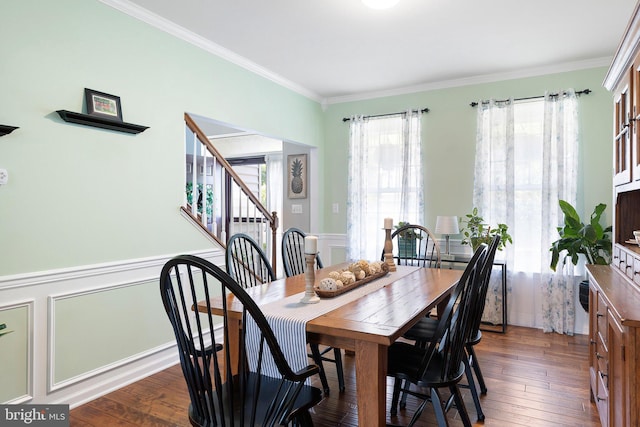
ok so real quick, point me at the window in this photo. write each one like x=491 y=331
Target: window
x=385 y=179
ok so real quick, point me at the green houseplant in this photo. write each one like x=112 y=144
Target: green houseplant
x=476 y=231
x=406 y=240
x=591 y=240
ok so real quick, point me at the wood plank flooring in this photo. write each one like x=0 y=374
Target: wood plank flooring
x=534 y=379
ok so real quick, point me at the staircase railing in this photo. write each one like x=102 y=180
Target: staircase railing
x=219 y=202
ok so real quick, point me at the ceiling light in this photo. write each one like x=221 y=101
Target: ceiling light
x=380 y=4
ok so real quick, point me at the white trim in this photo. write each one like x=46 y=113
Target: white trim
x=488 y=78
x=51 y=322
x=29 y=304
x=85 y=271
x=182 y=33
x=35 y=290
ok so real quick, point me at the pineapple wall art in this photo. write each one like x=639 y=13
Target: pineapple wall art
x=297 y=167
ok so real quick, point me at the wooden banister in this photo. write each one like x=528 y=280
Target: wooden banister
x=270 y=217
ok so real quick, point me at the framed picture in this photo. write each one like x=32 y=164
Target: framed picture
x=297 y=176
x=103 y=105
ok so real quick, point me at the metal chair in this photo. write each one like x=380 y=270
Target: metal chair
x=415 y=245
x=441 y=363
x=294 y=263
x=218 y=395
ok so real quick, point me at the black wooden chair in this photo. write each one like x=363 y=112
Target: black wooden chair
x=218 y=396
x=294 y=263
x=415 y=245
x=293 y=252
x=246 y=262
x=424 y=331
x=441 y=363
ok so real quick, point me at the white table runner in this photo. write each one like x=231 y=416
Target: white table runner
x=288 y=318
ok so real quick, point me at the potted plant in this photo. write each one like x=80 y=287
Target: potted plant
x=476 y=231
x=591 y=240
x=406 y=240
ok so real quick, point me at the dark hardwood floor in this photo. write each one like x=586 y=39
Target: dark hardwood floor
x=534 y=379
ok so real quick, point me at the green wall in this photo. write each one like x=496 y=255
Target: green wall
x=79 y=195
x=448 y=132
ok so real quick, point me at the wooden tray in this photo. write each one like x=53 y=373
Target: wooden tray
x=356 y=284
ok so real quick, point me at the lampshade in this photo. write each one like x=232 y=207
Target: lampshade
x=447 y=225
x=380 y=4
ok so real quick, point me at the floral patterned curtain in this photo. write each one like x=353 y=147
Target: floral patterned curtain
x=494 y=184
x=523 y=167
x=560 y=175
x=384 y=179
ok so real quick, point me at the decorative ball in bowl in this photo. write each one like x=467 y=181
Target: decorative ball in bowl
x=636 y=234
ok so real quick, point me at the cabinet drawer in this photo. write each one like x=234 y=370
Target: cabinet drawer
x=616 y=257
x=628 y=268
x=601 y=316
x=602 y=356
x=602 y=400
x=636 y=270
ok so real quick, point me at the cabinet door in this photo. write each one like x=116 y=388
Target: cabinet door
x=635 y=114
x=622 y=133
x=616 y=377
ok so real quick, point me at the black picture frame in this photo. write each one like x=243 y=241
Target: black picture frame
x=103 y=105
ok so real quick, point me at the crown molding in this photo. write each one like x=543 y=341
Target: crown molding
x=182 y=33
x=487 y=78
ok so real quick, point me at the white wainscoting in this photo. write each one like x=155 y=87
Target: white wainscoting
x=40 y=291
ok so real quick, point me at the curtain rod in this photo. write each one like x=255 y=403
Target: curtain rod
x=579 y=92
x=424 y=110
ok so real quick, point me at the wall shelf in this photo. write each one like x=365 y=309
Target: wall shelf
x=6 y=130
x=99 y=122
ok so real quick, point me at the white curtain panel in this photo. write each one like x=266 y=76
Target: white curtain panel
x=494 y=184
x=384 y=179
x=526 y=160
x=560 y=174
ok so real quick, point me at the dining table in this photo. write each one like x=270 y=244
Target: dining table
x=365 y=326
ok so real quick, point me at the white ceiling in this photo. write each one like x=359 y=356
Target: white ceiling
x=338 y=50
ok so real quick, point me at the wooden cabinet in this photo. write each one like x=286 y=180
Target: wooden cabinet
x=614 y=290
x=614 y=357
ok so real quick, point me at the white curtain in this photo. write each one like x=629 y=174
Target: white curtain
x=560 y=172
x=384 y=179
x=494 y=184
x=275 y=180
x=526 y=161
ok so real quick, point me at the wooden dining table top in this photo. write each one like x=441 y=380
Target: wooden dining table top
x=381 y=316
x=367 y=326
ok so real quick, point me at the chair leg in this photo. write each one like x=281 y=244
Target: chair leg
x=438 y=408
x=397 y=385
x=476 y=368
x=403 y=397
x=303 y=420
x=473 y=389
x=462 y=410
x=317 y=358
x=337 y=355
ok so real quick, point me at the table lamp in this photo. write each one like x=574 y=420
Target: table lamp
x=447 y=225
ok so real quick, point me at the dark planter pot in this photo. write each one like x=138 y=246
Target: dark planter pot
x=584 y=294
x=406 y=248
